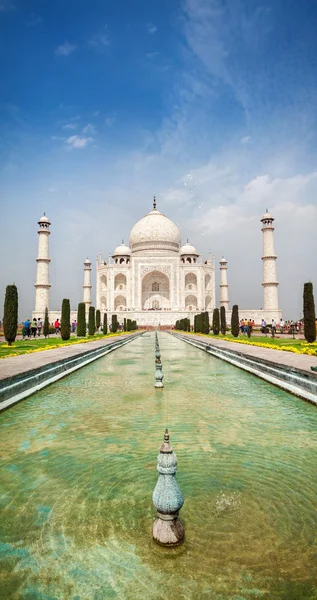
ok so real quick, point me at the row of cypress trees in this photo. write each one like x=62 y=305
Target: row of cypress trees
x=201 y=323
x=183 y=325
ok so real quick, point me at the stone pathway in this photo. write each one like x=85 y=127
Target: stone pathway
x=21 y=364
x=303 y=362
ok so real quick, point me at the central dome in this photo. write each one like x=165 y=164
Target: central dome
x=155 y=232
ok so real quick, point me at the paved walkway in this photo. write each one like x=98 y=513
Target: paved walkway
x=26 y=362
x=302 y=362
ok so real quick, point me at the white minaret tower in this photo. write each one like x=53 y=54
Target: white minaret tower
x=42 y=285
x=270 y=282
x=224 y=298
x=87 y=284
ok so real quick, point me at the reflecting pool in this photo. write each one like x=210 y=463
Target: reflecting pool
x=79 y=467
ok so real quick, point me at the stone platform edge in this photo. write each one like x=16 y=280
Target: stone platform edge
x=17 y=388
x=295 y=381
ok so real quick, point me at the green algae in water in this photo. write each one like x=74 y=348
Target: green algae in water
x=79 y=469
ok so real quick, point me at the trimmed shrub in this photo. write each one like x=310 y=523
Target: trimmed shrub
x=81 y=320
x=235 y=320
x=98 y=319
x=10 y=314
x=65 y=320
x=309 y=313
x=114 y=324
x=223 y=323
x=215 y=321
x=105 y=324
x=91 y=321
x=46 y=325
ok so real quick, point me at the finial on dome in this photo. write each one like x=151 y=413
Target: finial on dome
x=122 y=240
x=266 y=210
x=187 y=241
x=154 y=202
x=44 y=214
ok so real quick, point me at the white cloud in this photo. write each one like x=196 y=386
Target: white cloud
x=76 y=141
x=70 y=126
x=89 y=128
x=100 y=41
x=65 y=49
x=246 y=139
x=151 y=55
x=109 y=121
x=151 y=28
x=52 y=190
x=6 y=6
x=96 y=113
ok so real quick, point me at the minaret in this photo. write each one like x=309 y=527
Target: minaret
x=270 y=282
x=87 y=284
x=224 y=298
x=42 y=285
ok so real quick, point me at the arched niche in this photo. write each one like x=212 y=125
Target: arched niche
x=190 y=281
x=155 y=291
x=208 y=282
x=208 y=303
x=103 y=282
x=120 y=303
x=190 y=302
x=120 y=282
x=103 y=303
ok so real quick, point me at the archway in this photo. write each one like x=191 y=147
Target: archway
x=191 y=302
x=120 y=282
x=190 y=281
x=207 y=281
x=103 y=282
x=155 y=291
x=120 y=303
x=208 y=303
x=103 y=303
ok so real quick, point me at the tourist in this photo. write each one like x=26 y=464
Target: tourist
x=242 y=326
x=263 y=326
x=273 y=327
x=57 y=326
x=34 y=327
x=27 y=325
x=282 y=325
x=73 y=327
x=39 y=326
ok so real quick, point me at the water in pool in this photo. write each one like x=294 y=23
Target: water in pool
x=79 y=467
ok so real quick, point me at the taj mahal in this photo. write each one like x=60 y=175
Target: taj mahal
x=156 y=280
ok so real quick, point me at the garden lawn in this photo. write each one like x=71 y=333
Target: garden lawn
x=30 y=345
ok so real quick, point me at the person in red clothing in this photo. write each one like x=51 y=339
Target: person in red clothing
x=57 y=326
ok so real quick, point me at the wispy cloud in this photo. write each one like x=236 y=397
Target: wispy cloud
x=76 y=141
x=65 y=49
x=151 y=28
x=246 y=139
x=110 y=121
x=100 y=40
x=52 y=190
x=34 y=20
x=96 y=113
x=151 y=55
x=70 y=126
x=89 y=128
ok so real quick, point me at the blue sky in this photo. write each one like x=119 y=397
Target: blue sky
x=210 y=104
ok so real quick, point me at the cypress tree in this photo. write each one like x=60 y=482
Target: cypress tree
x=195 y=324
x=98 y=319
x=46 y=325
x=91 y=321
x=65 y=320
x=114 y=324
x=105 y=324
x=124 y=324
x=309 y=313
x=235 y=320
x=81 y=320
x=223 y=324
x=215 y=321
x=10 y=314
x=207 y=324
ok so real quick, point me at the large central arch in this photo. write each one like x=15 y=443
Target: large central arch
x=155 y=291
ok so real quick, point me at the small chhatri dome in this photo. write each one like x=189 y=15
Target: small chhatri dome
x=44 y=219
x=267 y=216
x=189 y=249
x=122 y=250
x=154 y=232
x=223 y=260
x=87 y=262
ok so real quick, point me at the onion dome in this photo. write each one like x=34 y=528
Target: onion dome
x=154 y=232
x=189 y=250
x=87 y=262
x=223 y=261
x=267 y=216
x=122 y=250
x=44 y=221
